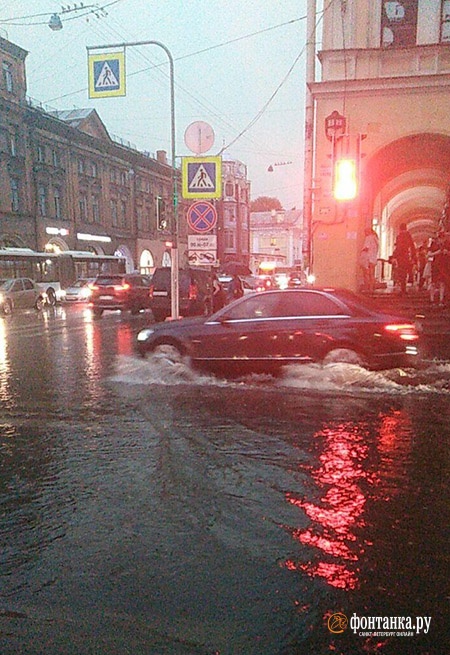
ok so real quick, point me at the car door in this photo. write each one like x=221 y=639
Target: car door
x=310 y=322
x=242 y=334
x=30 y=293
x=17 y=294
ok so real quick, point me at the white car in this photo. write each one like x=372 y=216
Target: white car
x=79 y=291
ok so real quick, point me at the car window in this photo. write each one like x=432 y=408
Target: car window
x=17 y=286
x=255 y=307
x=308 y=303
x=28 y=284
x=109 y=281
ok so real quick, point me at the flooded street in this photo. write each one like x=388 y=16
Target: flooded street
x=146 y=508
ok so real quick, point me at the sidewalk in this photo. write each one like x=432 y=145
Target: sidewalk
x=434 y=321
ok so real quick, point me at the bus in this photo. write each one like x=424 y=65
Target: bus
x=54 y=272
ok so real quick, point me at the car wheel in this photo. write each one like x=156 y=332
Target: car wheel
x=343 y=356
x=97 y=312
x=7 y=307
x=169 y=351
x=39 y=304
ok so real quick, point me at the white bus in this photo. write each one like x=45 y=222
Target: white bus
x=55 y=272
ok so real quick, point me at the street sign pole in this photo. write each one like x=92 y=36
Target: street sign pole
x=174 y=228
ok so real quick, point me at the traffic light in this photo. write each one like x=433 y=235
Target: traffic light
x=345 y=183
x=161 y=218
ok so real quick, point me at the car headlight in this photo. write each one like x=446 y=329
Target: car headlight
x=143 y=335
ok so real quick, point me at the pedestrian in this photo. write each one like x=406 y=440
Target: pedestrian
x=235 y=288
x=218 y=295
x=422 y=258
x=440 y=267
x=404 y=257
x=364 y=266
x=371 y=242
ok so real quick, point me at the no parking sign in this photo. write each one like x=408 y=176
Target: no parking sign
x=202 y=216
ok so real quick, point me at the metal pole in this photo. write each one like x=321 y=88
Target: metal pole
x=309 y=131
x=174 y=279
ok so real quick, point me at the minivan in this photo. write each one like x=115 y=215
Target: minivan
x=195 y=292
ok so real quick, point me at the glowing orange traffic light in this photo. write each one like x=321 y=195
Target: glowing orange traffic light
x=345 y=186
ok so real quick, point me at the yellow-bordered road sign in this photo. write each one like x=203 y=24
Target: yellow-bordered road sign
x=106 y=74
x=201 y=177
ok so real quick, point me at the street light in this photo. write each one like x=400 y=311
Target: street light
x=55 y=23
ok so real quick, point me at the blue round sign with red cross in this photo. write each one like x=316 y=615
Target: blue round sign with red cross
x=202 y=216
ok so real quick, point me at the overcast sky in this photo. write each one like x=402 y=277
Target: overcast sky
x=230 y=58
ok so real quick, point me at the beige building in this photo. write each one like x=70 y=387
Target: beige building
x=385 y=68
x=276 y=237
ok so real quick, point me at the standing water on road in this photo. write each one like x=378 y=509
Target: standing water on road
x=181 y=513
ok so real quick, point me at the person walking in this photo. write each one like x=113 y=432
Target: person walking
x=440 y=267
x=218 y=295
x=371 y=243
x=404 y=255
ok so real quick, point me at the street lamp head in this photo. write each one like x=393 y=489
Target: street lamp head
x=270 y=169
x=55 y=23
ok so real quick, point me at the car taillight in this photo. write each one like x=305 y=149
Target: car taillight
x=193 y=292
x=404 y=331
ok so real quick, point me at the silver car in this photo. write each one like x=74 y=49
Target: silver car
x=20 y=293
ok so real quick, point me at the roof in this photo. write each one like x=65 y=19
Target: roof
x=278 y=217
x=85 y=120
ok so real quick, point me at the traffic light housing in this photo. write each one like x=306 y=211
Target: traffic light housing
x=161 y=216
x=345 y=182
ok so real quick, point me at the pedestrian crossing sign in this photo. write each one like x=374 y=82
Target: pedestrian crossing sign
x=106 y=74
x=201 y=177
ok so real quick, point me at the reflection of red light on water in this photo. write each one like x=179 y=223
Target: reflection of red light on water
x=340 y=510
x=336 y=575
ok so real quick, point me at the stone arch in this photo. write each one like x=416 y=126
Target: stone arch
x=11 y=241
x=405 y=181
x=146 y=262
x=124 y=251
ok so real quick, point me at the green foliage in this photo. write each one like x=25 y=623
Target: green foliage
x=265 y=204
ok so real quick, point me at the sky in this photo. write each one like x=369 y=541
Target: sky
x=238 y=66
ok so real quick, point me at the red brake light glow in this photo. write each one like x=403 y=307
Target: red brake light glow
x=405 y=331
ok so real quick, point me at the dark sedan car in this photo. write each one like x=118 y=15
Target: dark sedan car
x=264 y=331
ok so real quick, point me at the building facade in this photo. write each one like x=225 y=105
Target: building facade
x=385 y=73
x=276 y=237
x=233 y=233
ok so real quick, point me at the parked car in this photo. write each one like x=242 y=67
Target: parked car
x=20 y=293
x=79 y=291
x=127 y=292
x=195 y=292
x=265 y=331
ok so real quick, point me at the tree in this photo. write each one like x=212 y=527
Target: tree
x=265 y=204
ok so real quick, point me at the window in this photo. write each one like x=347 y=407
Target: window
x=8 y=77
x=123 y=214
x=55 y=158
x=94 y=169
x=229 y=189
x=13 y=145
x=399 y=23
x=28 y=284
x=81 y=166
x=123 y=178
x=228 y=239
x=445 y=21
x=309 y=304
x=15 y=204
x=96 y=209
x=41 y=153
x=42 y=200
x=82 y=204
x=261 y=306
x=57 y=202
x=114 y=213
